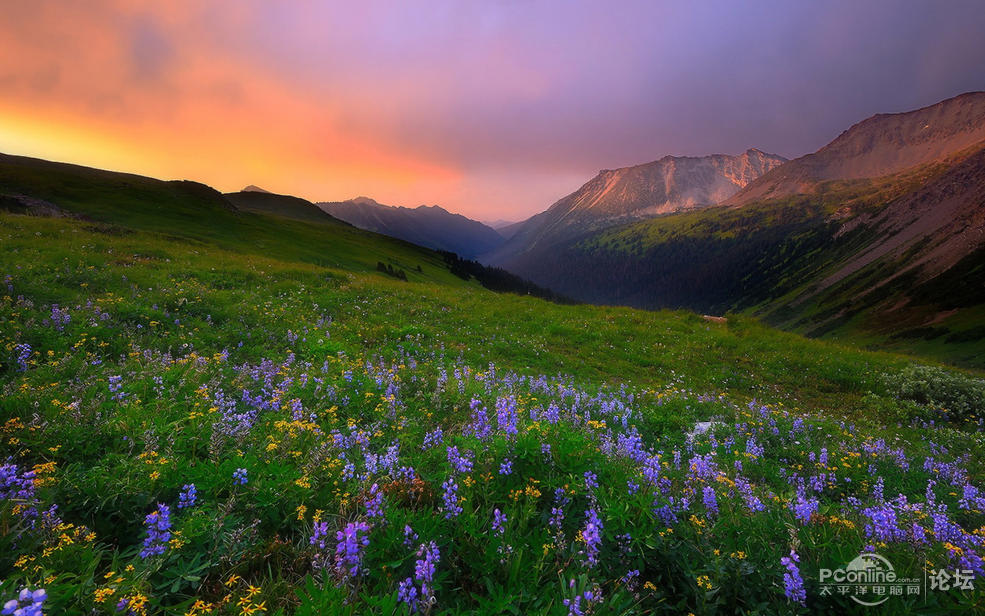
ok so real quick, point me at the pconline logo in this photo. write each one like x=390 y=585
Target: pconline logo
x=869 y=580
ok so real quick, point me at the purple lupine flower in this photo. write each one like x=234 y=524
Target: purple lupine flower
x=352 y=541
x=632 y=487
x=374 y=504
x=499 y=519
x=506 y=415
x=545 y=450
x=506 y=468
x=591 y=481
x=804 y=507
x=590 y=597
x=348 y=471
x=23 y=355
x=240 y=477
x=711 y=502
x=625 y=543
x=883 y=523
x=407 y=593
x=630 y=579
x=319 y=537
x=971 y=498
x=480 y=427
x=793 y=584
x=28 y=603
x=297 y=409
x=557 y=511
x=817 y=482
x=409 y=536
x=116 y=388
x=918 y=534
x=752 y=501
x=60 y=317
x=552 y=414
x=574 y=606
x=666 y=514
x=159 y=386
x=424 y=568
x=450 y=507
x=433 y=438
x=460 y=463
x=703 y=467
x=753 y=448
x=15 y=485
x=592 y=536
x=877 y=490
x=188 y=496
x=232 y=422
x=158 y=525
x=651 y=469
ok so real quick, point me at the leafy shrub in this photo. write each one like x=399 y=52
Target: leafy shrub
x=961 y=397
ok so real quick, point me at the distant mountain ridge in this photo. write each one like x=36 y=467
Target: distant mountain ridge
x=881 y=145
x=429 y=226
x=615 y=196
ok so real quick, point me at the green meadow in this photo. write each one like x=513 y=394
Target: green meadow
x=359 y=444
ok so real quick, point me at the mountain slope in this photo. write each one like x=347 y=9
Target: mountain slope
x=191 y=212
x=97 y=193
x=893 y=260
x=430 y=226
x=671 y=184
x=882 y=145
x=511 y=229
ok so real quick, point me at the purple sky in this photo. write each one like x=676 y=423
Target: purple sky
x=494 y=109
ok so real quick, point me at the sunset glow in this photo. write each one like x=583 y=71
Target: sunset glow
x=490 y=109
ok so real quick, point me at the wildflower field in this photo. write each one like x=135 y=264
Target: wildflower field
x=194 y=429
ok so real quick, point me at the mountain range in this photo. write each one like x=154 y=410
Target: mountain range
x=429 y=226
x=878 y=236
x=614 y=196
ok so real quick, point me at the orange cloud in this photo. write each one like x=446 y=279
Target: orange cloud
x=122 y=91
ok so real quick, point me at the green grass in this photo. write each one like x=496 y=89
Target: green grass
x=140 y=391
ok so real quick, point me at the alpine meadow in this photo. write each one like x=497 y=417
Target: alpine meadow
x=703 y=385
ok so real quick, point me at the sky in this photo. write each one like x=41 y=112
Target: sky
x=493 y=108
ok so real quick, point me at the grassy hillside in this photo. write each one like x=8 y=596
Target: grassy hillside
x=200 y=216
x=254 y=425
